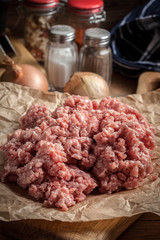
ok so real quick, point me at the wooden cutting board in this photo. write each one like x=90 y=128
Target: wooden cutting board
x=22 y=54
x=56 y=230
x=148 y=81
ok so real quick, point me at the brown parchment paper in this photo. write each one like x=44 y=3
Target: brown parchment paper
x=15 y=204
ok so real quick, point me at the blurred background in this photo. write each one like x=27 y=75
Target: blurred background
x=115 y=10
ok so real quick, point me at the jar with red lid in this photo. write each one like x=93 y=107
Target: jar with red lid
x=84 y=14
x=41 y=15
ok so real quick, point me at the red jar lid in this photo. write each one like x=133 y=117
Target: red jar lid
x=42 y=4
x=85 y=6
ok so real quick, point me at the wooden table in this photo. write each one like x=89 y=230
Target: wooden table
x=146 y=227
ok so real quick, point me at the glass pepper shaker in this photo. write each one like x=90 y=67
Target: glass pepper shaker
x=96 y=55
x=61 y=57
x=40 y=16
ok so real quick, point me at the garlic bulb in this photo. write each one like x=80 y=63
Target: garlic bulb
x=87 y=84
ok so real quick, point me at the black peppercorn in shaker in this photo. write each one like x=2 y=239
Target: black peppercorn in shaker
x=96 y=55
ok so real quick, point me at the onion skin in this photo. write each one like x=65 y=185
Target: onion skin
x=87 y=84
x=24 y=74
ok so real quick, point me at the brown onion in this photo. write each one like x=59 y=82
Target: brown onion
x=23 y=74
x=87 y=84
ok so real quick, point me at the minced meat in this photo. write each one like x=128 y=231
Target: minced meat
x=62 y=156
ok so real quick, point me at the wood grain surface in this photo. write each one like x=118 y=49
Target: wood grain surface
x=22 y=54
x=148 y=81
x=45 y=230
x=147 y=227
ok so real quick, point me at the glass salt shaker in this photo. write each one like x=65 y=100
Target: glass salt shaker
x=96 y=55
x=40 y=16
x=61 y=57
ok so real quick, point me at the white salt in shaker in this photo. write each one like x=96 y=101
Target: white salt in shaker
x=61 y=57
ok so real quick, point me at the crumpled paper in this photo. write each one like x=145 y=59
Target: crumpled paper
x=15 y=204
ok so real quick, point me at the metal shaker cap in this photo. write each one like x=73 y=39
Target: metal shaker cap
x=62 y=33
x=96 y=37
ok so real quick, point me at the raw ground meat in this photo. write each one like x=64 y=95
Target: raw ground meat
x=62 y=156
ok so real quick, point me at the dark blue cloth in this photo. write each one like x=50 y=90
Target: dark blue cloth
x=135 y=41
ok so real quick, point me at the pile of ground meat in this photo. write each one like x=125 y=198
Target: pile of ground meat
x=62 y=156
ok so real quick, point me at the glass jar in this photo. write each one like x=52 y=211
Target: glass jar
x=96 y=55
x=63 y=3
x=83 y=14
x=62 y=10
x=40 y=16
x=62 y=56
